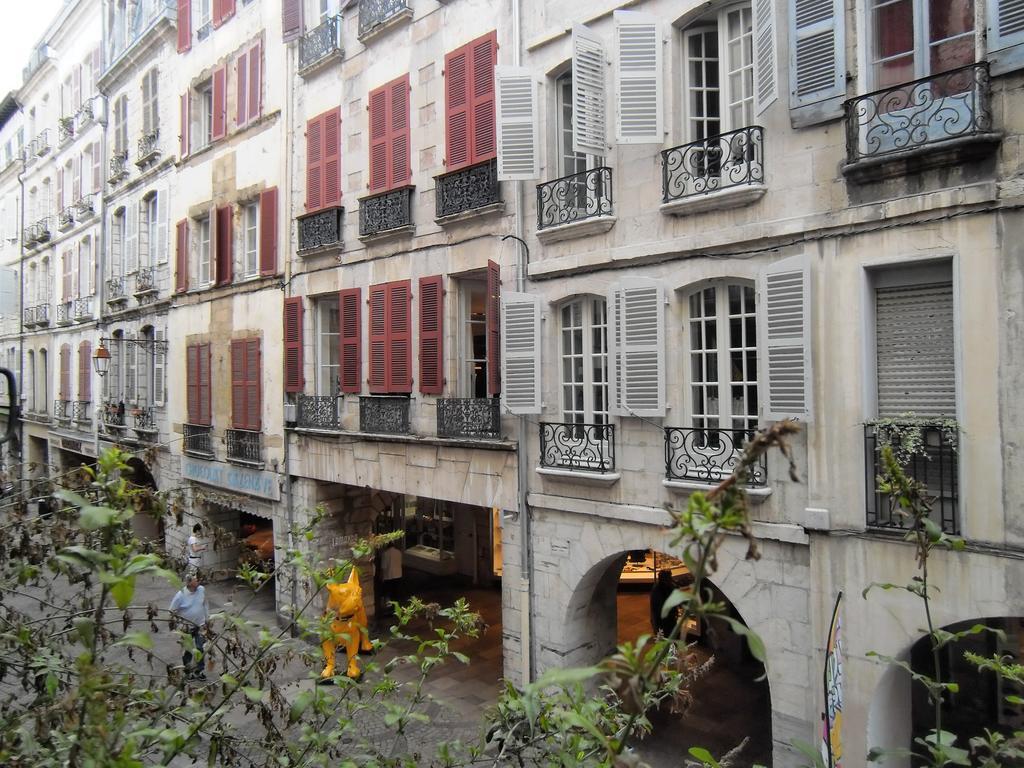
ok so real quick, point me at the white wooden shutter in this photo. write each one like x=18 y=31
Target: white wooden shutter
x=520 y=352
x=161 y=227
x=1005 y=35
x=914 y=350
x=159 y=367
x=131 y=354
x=516 y=114
x=766 y=89
x=817 y=75
x=638 y=94
x=131 y=240
x=588 y=97
x=636 y=320
x=784 y=338
x=146 y=127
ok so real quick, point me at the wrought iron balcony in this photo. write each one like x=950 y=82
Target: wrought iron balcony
x=245 y=445
x=581 y=447
x=931 y=110
x=81 y=412
x=38 y=232
x=198 y=440
x=317 y=412
x=42 y=315
x=933 y=463
x=41 y=143
x=469 y=417
x=145 y=420
x=574 y=198
x=64 y=313
x=66 y=219
x=112 y=415
x=84 y=207
x=385 y=212
x=709 y=455
x=145 y=281
x=320 y=230
x=28 y=317
x=62 y=410
x=65 y=130
x=467 y=189
x=118 y=166
x=384 y=415
x=729 y=160
x=116 y=293
x=86 y=111
x=148 y=149
x=83 y=308
x=374 y=13
x=320 y=45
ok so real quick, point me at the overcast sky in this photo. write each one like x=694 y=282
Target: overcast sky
x=23 y=24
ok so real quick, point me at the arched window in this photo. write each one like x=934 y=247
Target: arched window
x=583 y=351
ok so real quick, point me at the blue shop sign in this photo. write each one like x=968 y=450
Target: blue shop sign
x=253 y=482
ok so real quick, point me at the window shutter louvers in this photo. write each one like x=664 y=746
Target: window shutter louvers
x=205 y=385
x=457 y=109
x=432 y=362
x=636 y=319
x=350 y=312
x=224 y=247
x=378 y=339
x=253 y=385
x=291 y=19
x=183 y=137
x=314 y=158
x=219 y=103
x=238 y=385
x=765 y=69
x=159 y=367
x=378 y=140
x=60 y=188
x=784 y=337
x=399 y=170
x=76 y=178
x=516 y=108
x=255 y=80
x=588 y=92
x=639 y=77
x=192 y=382
x=184 y=25
x=66 y=263
x=817 y=60
x=65 y=372
x=520 y=354
x=399 y=319
x=268 y=232
x=218 y=12
x=131 y=355
x=161 y=226
x=293 y=373
x=493 y=328
x=84 y=369
x=227 y=10
x=97 y=168
x=181 y=257
x=242 y=90
x=484 y=56
x=1005 y=35
x=131 y=240
x=332 y=158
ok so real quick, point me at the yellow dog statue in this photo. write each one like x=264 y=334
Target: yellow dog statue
x=348 y=623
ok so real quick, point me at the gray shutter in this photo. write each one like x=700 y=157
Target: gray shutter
x=914 y=350
x=637 y=375
x=817 y=72
x=159 y=367
x=1005 y=35
x=784 y=338
x=520 y=352
x=161 y=226
x=639 y=80
x=766 y=89
x=131 y=240
x=588 y=93
x=516 y=116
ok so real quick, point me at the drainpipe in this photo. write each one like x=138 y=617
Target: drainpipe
x=289 y=503
x=21 y=328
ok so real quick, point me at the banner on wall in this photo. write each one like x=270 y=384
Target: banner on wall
x=832 y=743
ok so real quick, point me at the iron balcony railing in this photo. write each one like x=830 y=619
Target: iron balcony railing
x=42 y=314
x=145 y=281
x=145 y=420
x=115 y=290
x=112 y=415
x=148 y=148
x=709 y=455
x=245 y=445
x=934 y=465
x=384 y=212
x=580 y=447
x=469 y=417
x=729 y=160
x=320 y=230
x=118 y=166
x=37 y=231
x=62 y=410
x=81 y=412
x=933 y=109
x=66 y=219
x=85 y=112
x=373 y=13
x=320 y=44
x=28 y=318
x=384 y=415
x=83 y=308
x=65 y=129
x=467 y=189
x=317 y=412
x=41 y=143
x=575 y=197
x=84 y=206
x=64 y=313
x=198 y=440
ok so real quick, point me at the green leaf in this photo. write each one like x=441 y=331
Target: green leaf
x=85 y=628
x=704 y=756
x=93 y=518
x=564 y=677
x=254 y=694
x=137 y=640
x=677 y=597
x=300 y=705
x=122 y=591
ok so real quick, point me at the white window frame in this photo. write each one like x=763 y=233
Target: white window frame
x=591 y=320
x=204 y=266
x=203 y=16
x=202 y=121
x=328 y=350
x=121 y=124
x=473 y=370
x=249 y=252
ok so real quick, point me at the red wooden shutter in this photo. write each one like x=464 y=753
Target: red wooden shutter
x=332 y=158
x=268 y=231
x=238 y=381
x=255 y=80
x=349 y=314
x=493 y=324
x=181 y=258
x=205 y=388
x=378 y=140
x=291 y=19
x=456 y=106
x=293 y=379
x=253 y=385
x=84 y=370
x=432 y=335
x=65 y=372
x=219 y=102
x=400 y=336
x=378 y=337
x=184 y=25
x=227 y=10
x=218 y=12
x=485 y=56
x=399 y=170
x=192 y=382
x=185 y=122
x=224 y=246
x=242 y=92
x=314 y=160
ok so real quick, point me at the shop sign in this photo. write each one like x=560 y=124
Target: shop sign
x=253 y=482
x=77 y=446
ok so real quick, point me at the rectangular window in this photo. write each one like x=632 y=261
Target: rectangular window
x=246 y=400
x=917 y=38
x=204 y=274
x=473 y=352
x=328 y=347
x=469 y=103
x=202 y=130
x=584 y=352
x=203 y=18
x=150 y=115
x=151 y=228
x=198 y=383
x=389 y=135
x=121 y=125
x=250 y=239
x=117 y=234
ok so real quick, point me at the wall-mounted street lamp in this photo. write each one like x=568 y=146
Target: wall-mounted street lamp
x=101 y=360
x=101 y=357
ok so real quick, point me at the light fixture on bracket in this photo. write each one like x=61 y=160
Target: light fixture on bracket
x=101 y=358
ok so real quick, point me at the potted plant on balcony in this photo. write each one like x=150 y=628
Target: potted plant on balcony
x=905 y=434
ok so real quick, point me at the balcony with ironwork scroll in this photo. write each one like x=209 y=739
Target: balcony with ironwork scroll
x=717 y=172
x=317 y=412
x=84 y=207
x=38 y=232
x=320 y=46
x=66 y=218
x=320 y=230
x=148 y=150
x=577 y=448
x=375 y=16
x=65 y=130
x=701 y=457
x=144 y=423
x=81 y=411
x=28 y=317
x=472 y=417
x=64 y=313
x=245 y=446
x=41 y=143
x=384 y=415
x=389 y=213
x=111 y=416
x=87 y=112
x=576 y=205
x=198 y=440
x=42 y=315
x=118 y=167
x=467 y=191
x=63 y=410
x=145 y=283
x=937 y=120
x=928 y=454
x=116 y=293
x=83 y=308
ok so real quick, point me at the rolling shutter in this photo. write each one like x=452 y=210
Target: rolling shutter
x=765 y=69
x=784 y=337
x=181 y=257
x=400 y=337
x=516 y=107
x=457 y=110
x=350 y=311
x=588 y=92
x=520 y=354
x=1005 y=35
x=636 y=319
x=314 y=163
x=914 y=350
x=192 y=382
x=817 y=74
x=399 y=169
x=220 y=110
x=184 y=25
x=378 y=339
x=293 y=368
x=268 y=231
x=224 y=255
x=493 y=328
x=639 y=78
x=432 y=335
x=291 y=19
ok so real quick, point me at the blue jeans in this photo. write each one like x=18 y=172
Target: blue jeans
x=186 y=658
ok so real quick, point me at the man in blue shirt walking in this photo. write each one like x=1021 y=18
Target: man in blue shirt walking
x=189 y=604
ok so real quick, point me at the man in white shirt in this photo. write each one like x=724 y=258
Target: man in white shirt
x=189 y=604
x=194 y=549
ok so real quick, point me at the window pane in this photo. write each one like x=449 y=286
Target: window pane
x=948 y=18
